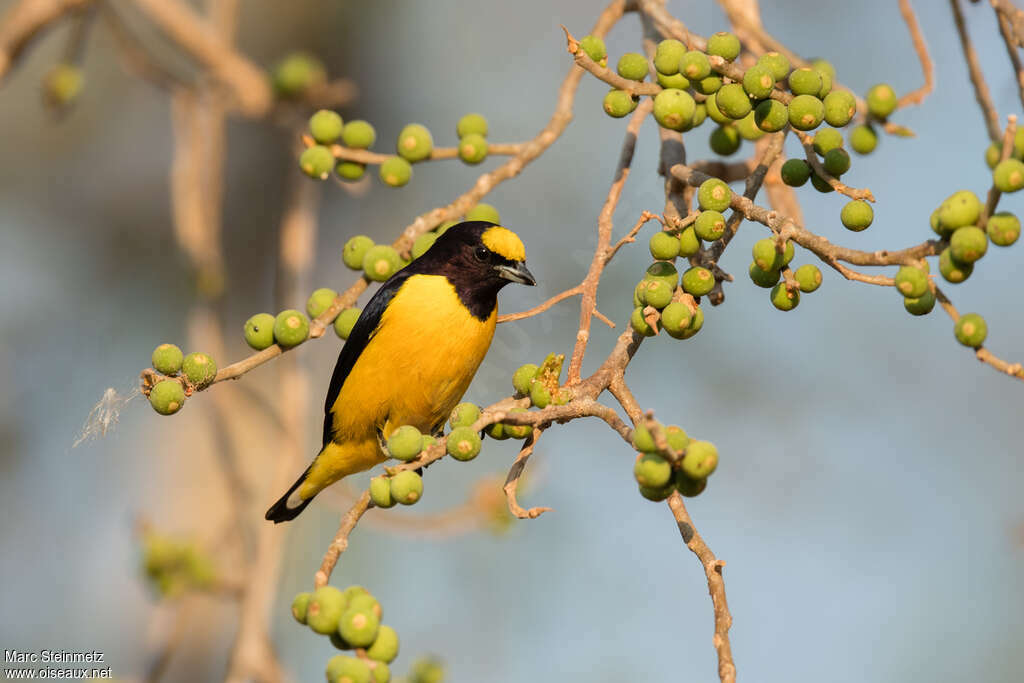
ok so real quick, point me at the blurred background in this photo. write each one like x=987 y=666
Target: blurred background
x=867 y=502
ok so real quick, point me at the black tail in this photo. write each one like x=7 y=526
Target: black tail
x=280 y=512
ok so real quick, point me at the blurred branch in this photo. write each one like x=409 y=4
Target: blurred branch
x=921 y=48
x=514 y=474
x=25 y=20
x=981 y=92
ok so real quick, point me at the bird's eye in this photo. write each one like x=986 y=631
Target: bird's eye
x=481 y=253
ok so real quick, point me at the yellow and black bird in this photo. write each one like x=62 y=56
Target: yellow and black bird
x=413 y=352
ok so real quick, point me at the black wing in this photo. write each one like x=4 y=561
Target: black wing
x=360 y=336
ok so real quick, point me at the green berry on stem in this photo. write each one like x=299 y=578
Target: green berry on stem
x=675 y=318
x=771 y=116
x=316 y=162
x=911 y=281
x=167 y=359
x=857 y=215
x=464 y=415
x=200 y=369
x=795 y=172
x=824 y=66
x=700 y=112
x=971 y=330
x=594 y=47
x=695 y=65
x=299 y=605
x=748 y=129
x=724 y=45
x=696 y=323
x=689 y=243
x=709 y=226
x=836 y=162
x=763 y=278
x=471 y=124
x=167 y=396
x=921 y=305
x=662 y=271
x=518 y=431
x=319 y=301
x=668 y=55
x=359 y=626
x=733 y=101
x=677 y=81
x=700 y=460
x=952 y=270
x=405 y=443
x=354 y=251
x=805 y=81
x=676 y=437
x=464 y=442
x=698 y=281
x=473 y=148
x=714 y=113
x=689 y=487
x=358 y=134
x=673 y=109
x=655 y=495
x=297 y=73
x=714 y=195
x=820 y=184
x=767 y=257
x=663 y=245
x=958 y=210
x=414 y=143
x=291 y=328
x=345 y=321
x=827 y=139
x=324 y=609
x=993 y=153
x=423 y=243
x=406 y=487
x=619 y=103
x=325 y=126
x=658 y=294
x=385 y=647
x=784 y=299
x=643 y=440
x=632 y=66
x=806 y=112
x=259 y=331
x=380 y=492
x=808 y=276
x=881 y=100
x=652 y=470
x=381 y=262
x=1008 y=175
x=758 y=81
x=840 y=107
x=350 y=170
x=776 y=63
x=346 y=669
x=395 y=171
x=1003 y=228
x=638 y=323
x=968 y=244
x=707 y=86
x=484 y=212
x=523 y=378
x=863 y=139
x=725 y=140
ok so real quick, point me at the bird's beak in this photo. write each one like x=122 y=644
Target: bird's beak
x=516 y=273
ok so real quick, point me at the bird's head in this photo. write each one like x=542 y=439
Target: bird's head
x=482 y=252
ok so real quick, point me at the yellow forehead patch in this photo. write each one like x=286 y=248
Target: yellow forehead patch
x=504 y=242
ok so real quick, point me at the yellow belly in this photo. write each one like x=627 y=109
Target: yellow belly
x=414 y=371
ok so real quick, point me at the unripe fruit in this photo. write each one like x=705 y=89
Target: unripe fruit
x=423 y=243
x=783 y=299
x=345 y=321
x=698 y=281
x=707 y=86
x=380 y=492
x=819 y=184
x=689 y=243
x=677 y=81
x=857 y=215
x=414 y=143
x=350 y=170
x=296 y=73
x=763 y=278
x=992 y=154
x=405 y=443
x=395 y=171
x=380 y=672
x=167 y=396
x=758 y=81
x=633 y=66
x=471 y=124
x=668 y=55
x=676 y=437
x=968 y=244
x=663 y=246
x=823 y=66
x=733 y=101
x=640 y=294
x=709 y=226
x=767 y=257
x=806 y=112
x=346 y=669
x=724 y=140
x=464 y=415
x=540 y=395
x=167 y=359
x=359 y=627
x=826 y=84
x=748 y=129
x=652 y=470
x=675 y=318
x=795 y=172
x=657 y=294
x=484 y=212
x=355 y=250
x=952 y=270
x=700 y=460
x=725 y=45
x=464 y=443
x=325 y=126
x=473 y=148
x=523 y=378
x=959 y=209
x=316 y=162
x=406 y=487
x=836 y=162
x=1008 y=175
x=518 y=431
x=714 y=195
x=299 y=605
x=358 y=134
x=921 y=305
x=618 y=103
x=594 y=47
x=655 y=495
x=700 y=113
x=1003 y=228
x=324 y=609
x=290 y=328
x=911 y=282
x=808 y=277
x=259 y=331
x=827 y=139
x=385 y=647
x=689 y=487
x=805 y=81
x=200 y=369
x=863 y=139
x=971 y=330
x=673 y=108
x=840 y=107
x=638 y=323
x=381 y=262
x=319 y=301
x=662 y=271
x=695 y=65
x=771 y=116
x=643 y=440
x=881 y=100
x=696 y=323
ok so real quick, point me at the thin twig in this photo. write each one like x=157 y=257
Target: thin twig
x=512 y=481
x=981 y=92
x=921 y=48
